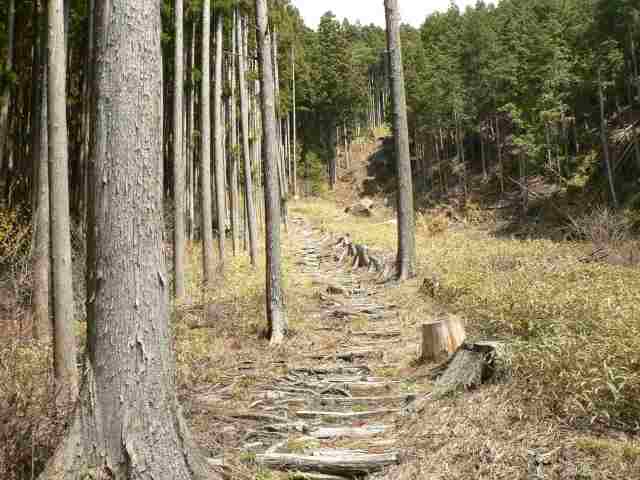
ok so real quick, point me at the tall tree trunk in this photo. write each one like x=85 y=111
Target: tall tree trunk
x=406 y=224
x=246 y=152
x=178 y=156
x=128 y=424
x=294 y=125
x=189 y=147
x=524 y=185
x=233 y=145
x=282 y=171
x=41 y=261
x=276 y=315
x=483 y=156
x=205 y=150
x=333 y=156
x=87 y=98
x=65 y=368
x=218 y=128
x=5 y=98
x=634 y=62
x=500 y=162
x=604 y=138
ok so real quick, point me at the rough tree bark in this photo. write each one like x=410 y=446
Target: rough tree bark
x=294 y=174
x=87 y=98
x=246 y=153
x=178 y=156
x=218 y=139
x=41 y=261
x=189 y=147
x=128 y=424
x=276 y=314
x=66 y=371
x=205 y=150
x=5 y=98
x=406 y=222
x=232 y=150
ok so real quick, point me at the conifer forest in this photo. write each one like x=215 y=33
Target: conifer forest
x=237 y=245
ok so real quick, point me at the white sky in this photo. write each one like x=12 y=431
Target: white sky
x=371 y=11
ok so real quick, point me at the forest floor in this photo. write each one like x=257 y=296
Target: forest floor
x=331 y=399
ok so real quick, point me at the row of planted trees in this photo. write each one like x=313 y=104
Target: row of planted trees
x=330 y=85
x=91 y=145
x=210 y=116
x=46 y=129
x=102 y=150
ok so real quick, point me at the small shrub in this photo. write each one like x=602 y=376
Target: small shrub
x=602 y=226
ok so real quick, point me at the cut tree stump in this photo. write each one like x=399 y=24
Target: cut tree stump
x=471 y=365
x=441 y=338
x=345 y=465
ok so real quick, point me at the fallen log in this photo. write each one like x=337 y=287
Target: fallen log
x=331 y=370
x=348 y=356
x=313 y=476
x=348 y=432
x=350 y=401
x=381 y=333
x=260 y=417
x=345 y=415
x=345 y=465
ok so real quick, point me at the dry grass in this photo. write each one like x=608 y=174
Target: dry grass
x=30 y=422
x=575 y=326
x=495 y=433
x=575 y=329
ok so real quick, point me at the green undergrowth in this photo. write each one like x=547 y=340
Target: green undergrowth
x=575 y=327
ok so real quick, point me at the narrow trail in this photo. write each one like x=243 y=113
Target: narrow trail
x=328 y=415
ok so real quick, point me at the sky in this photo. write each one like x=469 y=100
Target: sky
x=371 y=11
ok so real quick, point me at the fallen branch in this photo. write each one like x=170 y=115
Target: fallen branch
x=345 y=415
x=346 y=465
x=348 y=432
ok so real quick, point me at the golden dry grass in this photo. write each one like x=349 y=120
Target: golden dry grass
x=575 y=331
x=575 y=326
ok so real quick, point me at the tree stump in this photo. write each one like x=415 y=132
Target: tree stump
x=434 y=342
x=472 y=365
x=441 y=338
x=457 y=333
